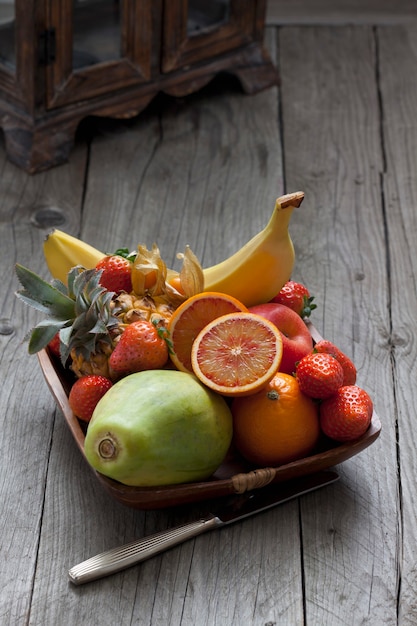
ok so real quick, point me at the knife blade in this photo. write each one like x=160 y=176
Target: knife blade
x=237 y=508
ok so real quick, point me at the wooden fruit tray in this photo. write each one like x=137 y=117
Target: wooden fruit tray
x=234 y=476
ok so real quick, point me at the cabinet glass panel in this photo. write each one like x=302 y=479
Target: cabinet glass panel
x=7 y=34
x=97 y=32
x=203 y=15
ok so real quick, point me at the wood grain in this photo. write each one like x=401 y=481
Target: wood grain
x=340 y=169
x=397 y=58
x=331 y=12
x=206 y=170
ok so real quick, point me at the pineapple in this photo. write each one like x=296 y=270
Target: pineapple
x=90 y=319
x=81 y=313
x=129 y=307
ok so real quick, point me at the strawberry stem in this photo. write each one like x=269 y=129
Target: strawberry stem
x=308 y=306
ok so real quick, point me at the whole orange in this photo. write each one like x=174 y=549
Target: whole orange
x=276 y=425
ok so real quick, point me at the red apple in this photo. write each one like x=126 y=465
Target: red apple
x=296 y=339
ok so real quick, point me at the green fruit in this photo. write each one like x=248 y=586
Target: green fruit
x=158 y=427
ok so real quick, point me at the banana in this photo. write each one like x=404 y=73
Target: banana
x=258 y=271
x=253 y=275
x=63 y=251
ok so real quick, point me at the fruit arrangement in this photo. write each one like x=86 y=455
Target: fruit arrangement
x=173 y=368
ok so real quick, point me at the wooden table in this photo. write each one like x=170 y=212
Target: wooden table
x=206 y=171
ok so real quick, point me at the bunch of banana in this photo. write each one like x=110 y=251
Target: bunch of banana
x=256 y=272
x=253 y=275
x=63 y=252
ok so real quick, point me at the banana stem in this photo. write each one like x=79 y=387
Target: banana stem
x=291 y=200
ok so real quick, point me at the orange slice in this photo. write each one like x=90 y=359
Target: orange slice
x=191 y=317
x=237 y=353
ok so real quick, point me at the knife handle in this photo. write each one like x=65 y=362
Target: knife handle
x=120 y=558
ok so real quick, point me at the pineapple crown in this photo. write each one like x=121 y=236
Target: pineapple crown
x=81 y=312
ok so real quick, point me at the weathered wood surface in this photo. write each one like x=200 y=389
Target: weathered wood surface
x=340 y=12
x=206 y=171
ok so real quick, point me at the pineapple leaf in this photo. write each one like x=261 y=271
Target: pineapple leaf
x=58 y=284
x=54 y=322
x=41 y=335
x=99 y=328
x=72 y=274
x=81 y=313
x=37 y=291
x=78 y=277
x=64 y=337
x=27 y=299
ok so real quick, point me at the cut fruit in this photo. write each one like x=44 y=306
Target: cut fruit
x=191 y=317
x=237 y=353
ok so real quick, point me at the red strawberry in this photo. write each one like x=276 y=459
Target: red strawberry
x=319 y=375
x=297 y=297
x=349 y=369
x=140 y=347
x=85 y=394
x=54 y=344
x=346 y=415
x=116 y=273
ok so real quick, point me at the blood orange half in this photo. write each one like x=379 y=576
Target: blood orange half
x=237 y=354
x=191 y=317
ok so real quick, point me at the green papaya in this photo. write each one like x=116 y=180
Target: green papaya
x=158 y=427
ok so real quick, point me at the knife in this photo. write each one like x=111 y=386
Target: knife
x=237 y=508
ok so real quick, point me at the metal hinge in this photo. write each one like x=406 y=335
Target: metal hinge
x=47 y=47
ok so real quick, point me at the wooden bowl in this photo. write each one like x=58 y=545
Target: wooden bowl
x=234 y=476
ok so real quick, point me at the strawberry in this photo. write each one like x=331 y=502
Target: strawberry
x=140 y=347
x=116 y=273
x=85 y=394
x=347 y=414
x=54 y=346
x=349 y=369
x=319 y=375
x=297 y=297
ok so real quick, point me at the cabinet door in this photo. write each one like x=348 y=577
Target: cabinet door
x=100 y=46
x=7 y=46
x=197 y=30
x=7 y=35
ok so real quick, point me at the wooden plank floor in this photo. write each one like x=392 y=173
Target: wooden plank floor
x=206 y=171
x=340 y=12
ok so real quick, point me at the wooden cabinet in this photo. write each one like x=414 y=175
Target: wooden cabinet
x=61 y=60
